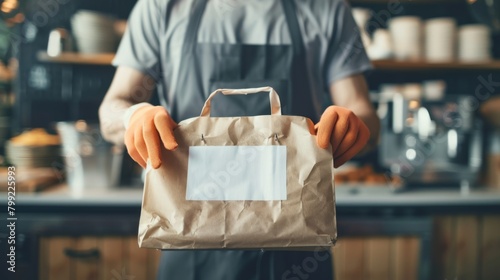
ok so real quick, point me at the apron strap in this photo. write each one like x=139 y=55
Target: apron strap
x=191 y=36
x=293 y=26
x=190 y=39
x=302 y=102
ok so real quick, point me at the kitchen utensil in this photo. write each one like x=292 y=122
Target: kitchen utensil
x=94 y=32
x=440 y=39
x=406 y=33
x=90 y=161
x=474 y=43
x=493 y=160
x=436 y=143
x=59 y=41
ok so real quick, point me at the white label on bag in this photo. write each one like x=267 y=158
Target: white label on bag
x=236 y=173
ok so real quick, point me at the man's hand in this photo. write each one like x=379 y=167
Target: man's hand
x=342 y=129
x=148 y=128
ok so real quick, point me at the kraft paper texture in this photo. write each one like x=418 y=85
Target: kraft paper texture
x=306 y=219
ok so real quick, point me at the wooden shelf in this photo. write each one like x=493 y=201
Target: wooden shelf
x=393 y=65
x=77 y=58
x=384 y=65
x=405 y=1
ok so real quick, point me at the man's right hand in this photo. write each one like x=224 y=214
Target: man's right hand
x=149 y=127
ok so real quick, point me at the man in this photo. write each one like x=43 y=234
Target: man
x=308 y=50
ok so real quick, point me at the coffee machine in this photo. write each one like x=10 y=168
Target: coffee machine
x=431 y=143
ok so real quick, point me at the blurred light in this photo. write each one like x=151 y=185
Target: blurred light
x=18 y=18
x=9 y=5
x=86 y=149
x=452 y=143
x=411 y=141
x=81 y=125
x=414 y=104
x=395 y=168
x=411 y=154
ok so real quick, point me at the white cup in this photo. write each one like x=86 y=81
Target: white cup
x=406 y=33
x=381 y=47
x=361 y=17
x=474 y=43
x=440 y=39
x=434 y=89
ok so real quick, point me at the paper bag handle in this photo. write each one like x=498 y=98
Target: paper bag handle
x=274 y=99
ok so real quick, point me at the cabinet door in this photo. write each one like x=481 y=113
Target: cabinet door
x=89 y=257
x=376 y=258
x=53 y=263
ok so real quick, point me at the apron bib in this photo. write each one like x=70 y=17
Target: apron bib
x=206 y=67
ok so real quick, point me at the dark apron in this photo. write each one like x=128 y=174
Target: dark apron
x=206 y=67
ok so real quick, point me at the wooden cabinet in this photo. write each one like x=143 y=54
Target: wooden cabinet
x=463 y=247
x=95 y=258
x=63 y=243
x=376 y=258
x=467 y=247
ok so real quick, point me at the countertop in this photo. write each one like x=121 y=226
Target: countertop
x=345 y=197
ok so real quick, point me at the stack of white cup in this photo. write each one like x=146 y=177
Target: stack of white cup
x=406 y=33
x=440 y=39
x=94 y=32
x=474 y=43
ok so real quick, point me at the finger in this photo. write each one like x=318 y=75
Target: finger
x=152 y=141
x=132 y=151
x=325 y=127
x=363 y=137
x=350 y=135
x=139 y=143
x=165 y=126
x=340 y=129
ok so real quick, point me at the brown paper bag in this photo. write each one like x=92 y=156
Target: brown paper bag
x=303 y=218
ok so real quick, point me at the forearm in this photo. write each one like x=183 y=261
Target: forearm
x=373 y=123
x=111 y=114
x=352 y=93
x=128 y=88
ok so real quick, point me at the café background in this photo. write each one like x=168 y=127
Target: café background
x=397 y=220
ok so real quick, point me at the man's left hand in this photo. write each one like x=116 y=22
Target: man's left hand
x=341 y=128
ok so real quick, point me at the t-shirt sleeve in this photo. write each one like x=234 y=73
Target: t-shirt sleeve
x=346 y=55
x=140 y=45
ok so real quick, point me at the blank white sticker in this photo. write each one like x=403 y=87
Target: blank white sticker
x=236 y=173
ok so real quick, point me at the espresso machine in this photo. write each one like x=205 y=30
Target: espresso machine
x=431 y=143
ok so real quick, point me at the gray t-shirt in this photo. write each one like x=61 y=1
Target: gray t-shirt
x=153 y=42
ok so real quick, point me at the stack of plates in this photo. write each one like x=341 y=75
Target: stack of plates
x=34 y=156
x=94 y=32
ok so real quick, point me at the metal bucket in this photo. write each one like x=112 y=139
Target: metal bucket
x=90 y=162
